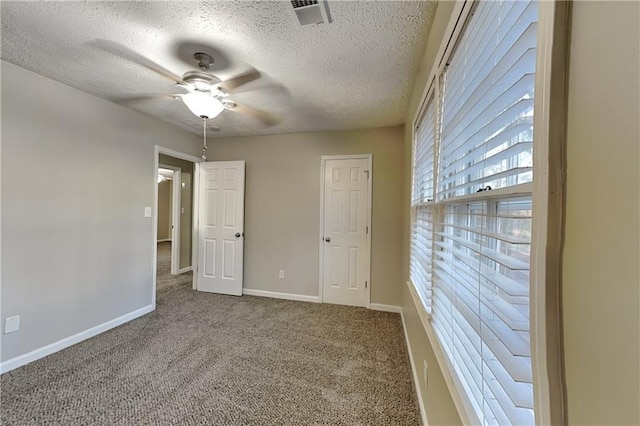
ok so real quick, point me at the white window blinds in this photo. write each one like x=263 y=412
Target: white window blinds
x=422 y=204
x=487 y=133
x=481 y=306
x=470 y=244
x=423 y=155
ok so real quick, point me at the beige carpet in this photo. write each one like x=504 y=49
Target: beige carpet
x=164 y=279
x=205 y=359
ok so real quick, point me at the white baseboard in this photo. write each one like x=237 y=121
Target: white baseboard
x=414 y=370
x=385 y=308
x=36 y=354
x=166 y=240
x=276 y=295
x=185 y=269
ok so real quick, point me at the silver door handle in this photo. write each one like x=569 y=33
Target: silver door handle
x=327 y=239
x=237 y=235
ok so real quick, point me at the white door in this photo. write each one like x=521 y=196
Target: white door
x=345 y=231
x=220 y=227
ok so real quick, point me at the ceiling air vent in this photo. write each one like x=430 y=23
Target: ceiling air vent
x=311 y=11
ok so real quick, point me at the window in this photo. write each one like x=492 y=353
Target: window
x=472 y=208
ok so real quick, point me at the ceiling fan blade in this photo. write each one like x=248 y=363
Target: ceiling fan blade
x=141 y=98
x=126 y=53
x=264 y=117
x=235 y=82
x=266 y=88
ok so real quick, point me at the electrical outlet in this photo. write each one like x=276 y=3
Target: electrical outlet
x=11 y=324
x=425 y=375
x=281 y=274
x=147 y=212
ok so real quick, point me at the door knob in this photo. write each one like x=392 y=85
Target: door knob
x=237 y=235
x=327 y=239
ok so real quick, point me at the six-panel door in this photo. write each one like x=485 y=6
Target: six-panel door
x=345 y=249
x=221 y=227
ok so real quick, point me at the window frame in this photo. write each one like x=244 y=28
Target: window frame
x=547 y=193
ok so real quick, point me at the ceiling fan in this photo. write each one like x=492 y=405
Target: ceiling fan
x=206 y=95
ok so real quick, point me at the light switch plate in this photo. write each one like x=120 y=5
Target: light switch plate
x=147 y=212
x=11 y=324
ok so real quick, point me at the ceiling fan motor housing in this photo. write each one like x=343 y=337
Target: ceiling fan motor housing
x=202 y=81
x=204 y=60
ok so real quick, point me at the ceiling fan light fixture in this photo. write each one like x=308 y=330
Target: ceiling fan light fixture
x=203 y=104
x=200 y=85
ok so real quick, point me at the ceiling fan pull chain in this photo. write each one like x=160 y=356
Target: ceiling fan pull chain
x=204 y=144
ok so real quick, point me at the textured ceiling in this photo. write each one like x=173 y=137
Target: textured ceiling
x=356 y=72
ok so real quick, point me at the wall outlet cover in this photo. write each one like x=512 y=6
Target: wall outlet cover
x=425 y=375
x=11 y=324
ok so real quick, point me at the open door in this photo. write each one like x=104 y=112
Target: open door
x=220 y=227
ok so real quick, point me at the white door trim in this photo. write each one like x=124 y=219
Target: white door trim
x=195 y=217
x=323 y=162
x=154 y=215
x=176 y=200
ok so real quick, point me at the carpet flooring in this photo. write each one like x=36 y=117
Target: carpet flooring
x=164 y=279
x=207 y=359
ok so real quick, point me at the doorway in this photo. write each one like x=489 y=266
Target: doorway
x=173 y=224
x=345 y=234
x=169 y=207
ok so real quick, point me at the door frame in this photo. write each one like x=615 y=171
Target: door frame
x=323 y=163
x=175 y=216
x=154 y=215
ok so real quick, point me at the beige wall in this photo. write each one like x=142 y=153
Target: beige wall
x=186 y=203
x=77 y=250
x=164 y=210
x=282 y=207
x=601 y=255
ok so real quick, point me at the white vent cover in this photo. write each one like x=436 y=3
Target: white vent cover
x=311 y=11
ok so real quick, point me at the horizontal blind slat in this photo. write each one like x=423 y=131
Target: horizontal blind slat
x=474 y=185
x=457 y=282
x=508 y=261
x=484 y=161
x=483 y=232
x=518 y=370
x=507 y=285
x=519 y=37
x=490 y=33
x=491 y=101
